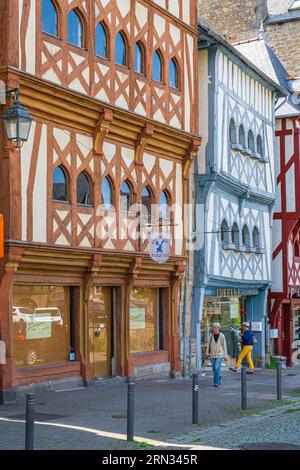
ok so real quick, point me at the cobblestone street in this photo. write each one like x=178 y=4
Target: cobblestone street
x=95 y=418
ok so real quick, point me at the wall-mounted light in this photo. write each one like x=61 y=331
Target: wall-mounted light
x=17 y=121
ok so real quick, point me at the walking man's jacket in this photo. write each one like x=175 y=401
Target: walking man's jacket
x=216 y=349
x=247 y=338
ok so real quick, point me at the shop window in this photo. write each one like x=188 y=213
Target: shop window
x=164 y=208
x=224 y=232
x=251 y=144
x=144 y=320
x=245 y=236
x=157 y=67
x=106 y=194
x=121 y=50
x=125 y=197
x=256 y=237
x=84 y=193
x=173 y=74
x=49 y=18
x=146 y=203
x=232 y=132
x=235 y=234
x=60 y=185
x=75 y=29
x=41 y=324
x=139 y=58
x=242 y=136
x=101 y=41
x=259 y=145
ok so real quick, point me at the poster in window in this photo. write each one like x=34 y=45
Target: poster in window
x=212 y=306
x=137 y=318
x=234 y=309
x=38 y=329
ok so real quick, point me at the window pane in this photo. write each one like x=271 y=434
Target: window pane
x=144 y=332
x=157 y=67
x=120 y=53
x=41 y=325
x=75 y=29
x=83 y=190
x=106 y=196
x=146 y=203
x=101 y=41
x=164 y=211
x=125 y=197
x=60 y=190
x=242 y=138
x=173 y=74
x=138 y=58
x=49 y=18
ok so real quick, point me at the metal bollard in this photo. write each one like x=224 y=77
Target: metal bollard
x=244 y=388
x=279 y=381
x=130 y=409
x=195 y=398
x=29 y=429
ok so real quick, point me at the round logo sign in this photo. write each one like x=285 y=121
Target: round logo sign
x=159 y=247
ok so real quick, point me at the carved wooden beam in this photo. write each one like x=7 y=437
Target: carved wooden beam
x=102 y=129
x=142 y=142
x=189 y=157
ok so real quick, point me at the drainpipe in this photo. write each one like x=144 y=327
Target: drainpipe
x=184 y=327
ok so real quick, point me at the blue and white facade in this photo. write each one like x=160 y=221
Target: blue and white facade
x=235 y=187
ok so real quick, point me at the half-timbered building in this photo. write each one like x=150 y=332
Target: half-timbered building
x=235 y=185
x=111 y=86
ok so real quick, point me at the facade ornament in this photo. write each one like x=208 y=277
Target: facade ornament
x=142 y=141
x=102 y=129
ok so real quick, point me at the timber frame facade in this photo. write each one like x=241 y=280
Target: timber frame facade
x=93 y=116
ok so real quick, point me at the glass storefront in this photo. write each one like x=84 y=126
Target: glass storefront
x=296 y=336
x=41 y=324
x=227 y=312
x=144 y=328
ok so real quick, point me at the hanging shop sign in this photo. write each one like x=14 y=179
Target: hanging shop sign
x=159 y=247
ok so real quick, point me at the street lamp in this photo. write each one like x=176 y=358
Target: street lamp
x=17 y=121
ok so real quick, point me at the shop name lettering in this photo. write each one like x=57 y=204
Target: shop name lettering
x=111 y=460
x=228 y=293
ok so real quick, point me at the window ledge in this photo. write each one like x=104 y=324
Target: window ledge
x=247 y=152
x=237 y=147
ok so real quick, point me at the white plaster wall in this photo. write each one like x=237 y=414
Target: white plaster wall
x=39 y=212
x=290 y=193
x=25 y=156
x=30 y=39
x=203 y=108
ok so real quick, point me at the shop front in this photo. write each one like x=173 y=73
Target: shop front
x=231 y=307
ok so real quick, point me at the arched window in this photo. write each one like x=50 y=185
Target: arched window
x=235 y=234
x=60 y=185
x=242 y=137
x=139 y=61
x=232 y=132
x=246 y=236
x=256 y=237
x=125 y=197
x=224 y=232
x=101 y=41
x=49 y=18
x=157 y=67
x=106 y=194
x=84 y=193
x=75 y=29
x=121 y=50
x=164 y=209
x=173 y=74
x=296 y=250
x=259 y=145
x=146 y=203
x=251 y=143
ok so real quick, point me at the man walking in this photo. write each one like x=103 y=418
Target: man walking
x=216 y=351
x=247 y=342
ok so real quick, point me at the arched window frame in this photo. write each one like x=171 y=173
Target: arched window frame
x=160 y=56
x=125 y=62
x=296 y=249
x=235 y=234
x=58 y=19
x=177 y=73
x=150 y=196
x=111 y=188
x=140 y=45
x=259 y=146
x=67 y=184
x=90 y=203
x=256 y=237
x=167 y=218
x=225 y=232
x=251 y=142
x=130 y=196
x=232 y=132
x=245 y=236
x=242 y=136
x=83 y=28
x=107 y=38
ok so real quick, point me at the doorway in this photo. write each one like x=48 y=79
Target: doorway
x=101 y=328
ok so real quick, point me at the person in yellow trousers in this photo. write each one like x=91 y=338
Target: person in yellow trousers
x=248 y=340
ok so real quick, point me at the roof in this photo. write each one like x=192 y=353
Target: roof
x=205 y=29
x=264 y=58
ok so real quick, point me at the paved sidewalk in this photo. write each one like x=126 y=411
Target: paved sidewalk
x=95 y=418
